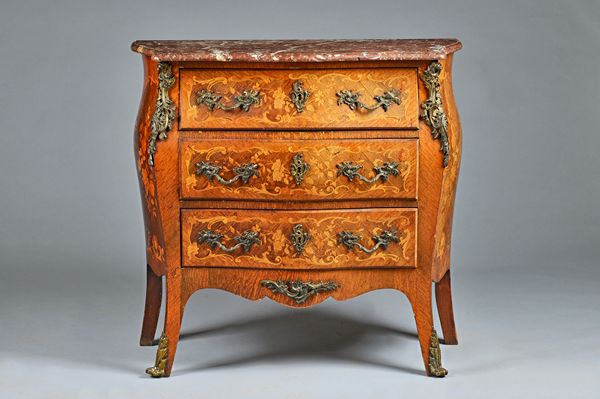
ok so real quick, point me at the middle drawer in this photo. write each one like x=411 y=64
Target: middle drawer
x=298 y=169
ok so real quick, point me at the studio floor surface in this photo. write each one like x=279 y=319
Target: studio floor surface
x=521 y=336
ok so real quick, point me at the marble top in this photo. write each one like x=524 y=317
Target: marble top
x=297 y=50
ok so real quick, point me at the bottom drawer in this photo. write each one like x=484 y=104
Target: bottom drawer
x=310 y=239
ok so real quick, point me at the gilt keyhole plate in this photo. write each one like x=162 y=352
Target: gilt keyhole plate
x=299 y=238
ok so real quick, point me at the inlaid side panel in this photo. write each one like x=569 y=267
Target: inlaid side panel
x=443 y=235
x=286 y=170
x=295 y=99
x=299 y=239
x=155 y=241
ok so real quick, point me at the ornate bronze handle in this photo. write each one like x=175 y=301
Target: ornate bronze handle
x=351 y=240
x=246 y=240
x=298 y=291
x=384 y=101
x=243 y=172
x=299 y=95
x=351 y=170
x=213 y=100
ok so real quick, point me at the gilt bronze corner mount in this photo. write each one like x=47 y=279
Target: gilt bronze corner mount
x=433 y=111
x=164 y=111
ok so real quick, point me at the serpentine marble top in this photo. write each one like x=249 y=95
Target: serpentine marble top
x=297 y=50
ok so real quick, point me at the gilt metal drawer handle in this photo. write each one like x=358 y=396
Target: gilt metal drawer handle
x=351 y=240
x=299 y=291
x=384 y=101
x=245 y=240
x=243 y=172
x=351 y=170
x=213 y=100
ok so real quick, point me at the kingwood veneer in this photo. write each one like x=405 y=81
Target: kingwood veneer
x=298 y=171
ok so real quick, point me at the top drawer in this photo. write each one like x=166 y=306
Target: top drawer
x=299 y=99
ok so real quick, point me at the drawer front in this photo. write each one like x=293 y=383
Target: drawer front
x=284 y=99
x=298 y=169
x=318 y=239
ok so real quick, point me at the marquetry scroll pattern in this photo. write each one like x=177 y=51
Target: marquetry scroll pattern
x=280 y=177
x=281 y=107
x=324 y=249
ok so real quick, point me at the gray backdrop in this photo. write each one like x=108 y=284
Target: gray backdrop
x=526 y=235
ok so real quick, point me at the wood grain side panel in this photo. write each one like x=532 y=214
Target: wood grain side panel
x=430 y=178
x=322 y=251
x=443 y=234
x=321 y=182
x=155 y=241
x=277 y=111
x=166 y=168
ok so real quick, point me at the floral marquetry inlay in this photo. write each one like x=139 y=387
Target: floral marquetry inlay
x=284 y=104
x=321 y=250
x=288 y=170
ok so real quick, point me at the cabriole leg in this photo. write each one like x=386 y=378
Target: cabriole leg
x=167 y=346
x=430 y=348
x=152 y=308
x=443 y=298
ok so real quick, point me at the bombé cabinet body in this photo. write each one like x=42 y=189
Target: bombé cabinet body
x=298 y=171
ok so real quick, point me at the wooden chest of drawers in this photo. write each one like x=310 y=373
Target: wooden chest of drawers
x=298 y=171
